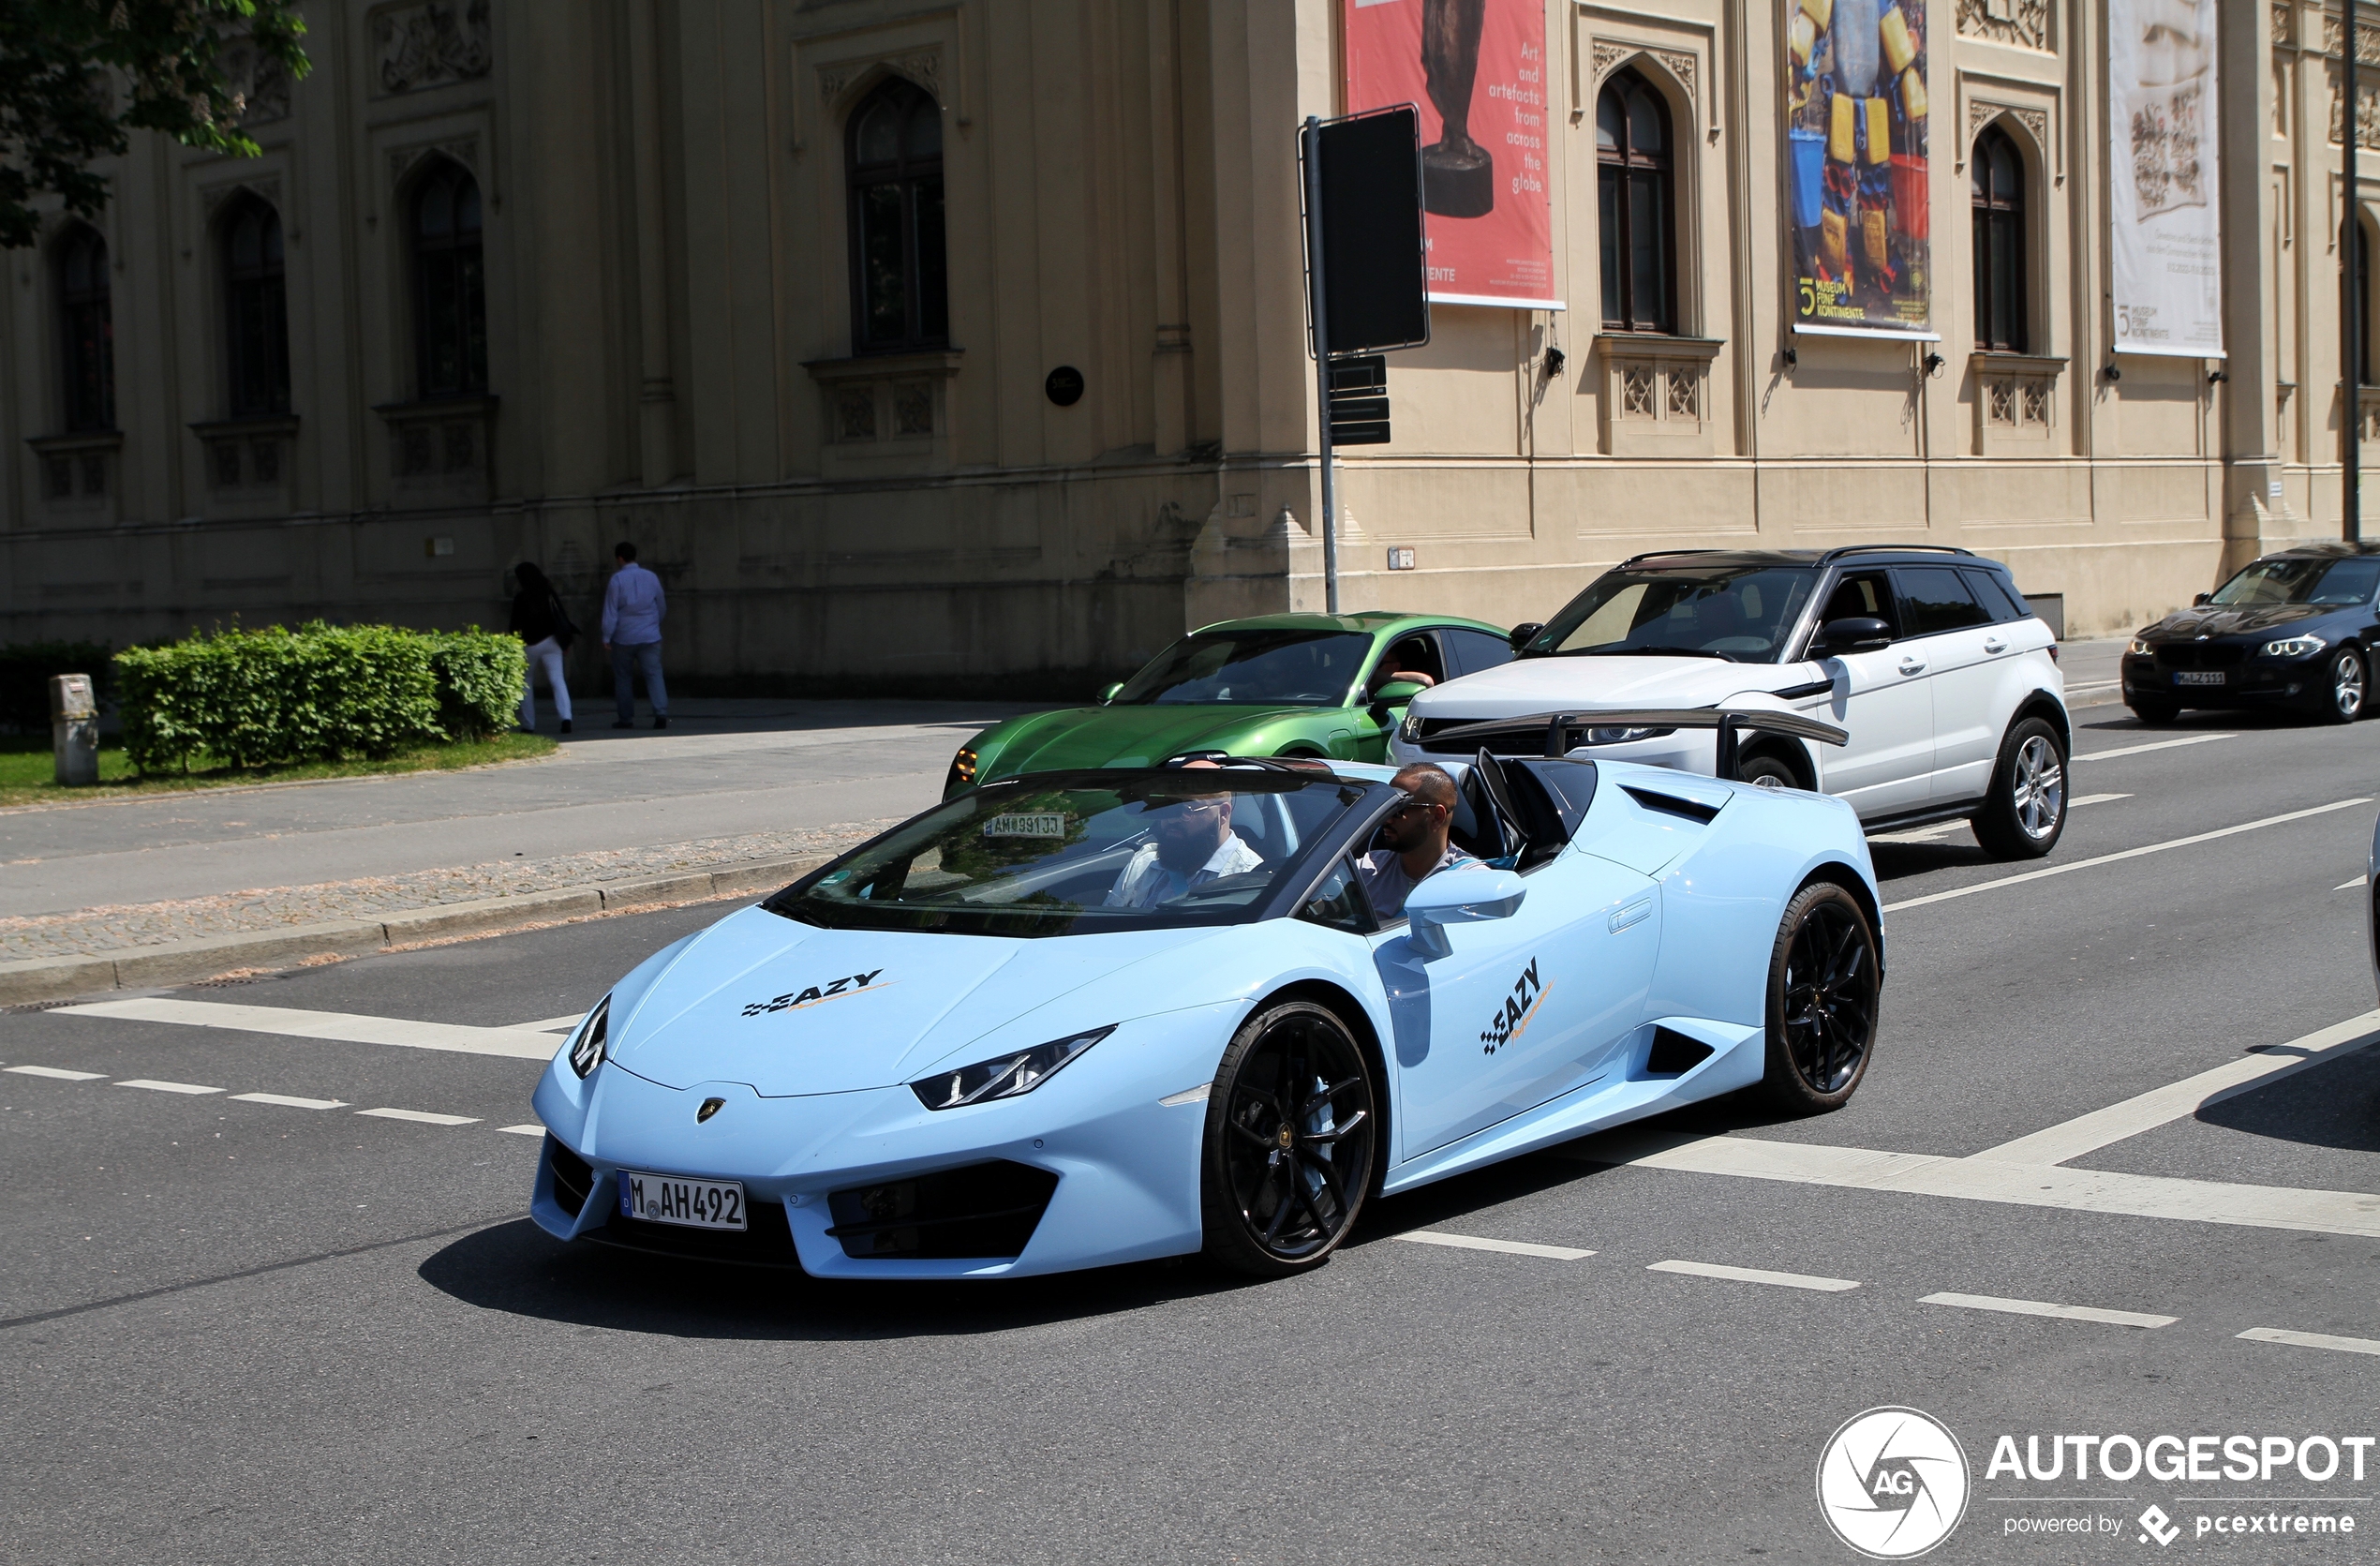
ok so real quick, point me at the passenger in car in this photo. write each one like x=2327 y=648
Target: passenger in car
x=1414 y=839
x=1192 y=843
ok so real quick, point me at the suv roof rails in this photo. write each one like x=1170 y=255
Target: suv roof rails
x=1891 y=548
x=1662 y=554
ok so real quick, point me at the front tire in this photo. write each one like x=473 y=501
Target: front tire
x=1825 y=978
x=2025 y=813
x=2345 y=687
x=1289 y=1141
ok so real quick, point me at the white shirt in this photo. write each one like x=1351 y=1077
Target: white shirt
x=1146 y=882
x=633 y=604
x=1385 y=882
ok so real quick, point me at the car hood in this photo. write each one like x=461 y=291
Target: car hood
x=2212 y=619
x=1528 y=686
x=788 y=1008
x=1125 y=735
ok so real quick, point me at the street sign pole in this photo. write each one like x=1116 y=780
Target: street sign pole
x=1311 y=144
x=2351 y=285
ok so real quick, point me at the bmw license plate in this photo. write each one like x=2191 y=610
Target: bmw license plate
x=2198 y=676
x=690 y=1203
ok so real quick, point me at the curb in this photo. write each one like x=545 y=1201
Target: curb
x=53 y=978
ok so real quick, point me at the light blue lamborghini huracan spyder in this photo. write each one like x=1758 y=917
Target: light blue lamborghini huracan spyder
x=997 y=1040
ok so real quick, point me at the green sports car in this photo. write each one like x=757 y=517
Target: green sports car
x=1318 y=685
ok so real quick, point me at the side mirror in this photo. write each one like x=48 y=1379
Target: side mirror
x=1108 y=692
x=1858 y=634
x=1460 y=896
x=1522 y=635
x=1396 y=693
x=2202 y=600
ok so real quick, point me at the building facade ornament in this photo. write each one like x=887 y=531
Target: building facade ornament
x=1982 y=112
x=260 y=83
x=463 y=149
x=2022 y=23
x=920 y=66
x=431 y=44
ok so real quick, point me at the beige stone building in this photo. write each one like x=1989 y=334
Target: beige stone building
x=793 y=292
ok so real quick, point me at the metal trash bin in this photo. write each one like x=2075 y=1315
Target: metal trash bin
x=74 y=730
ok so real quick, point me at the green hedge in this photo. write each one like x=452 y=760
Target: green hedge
x=262 y=698
x=25 y=668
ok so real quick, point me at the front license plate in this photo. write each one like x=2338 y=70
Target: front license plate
x=2198 y=676
x=691 y=1203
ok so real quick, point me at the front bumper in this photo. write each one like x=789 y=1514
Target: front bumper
x=2215 y=678
x=1087 y=1171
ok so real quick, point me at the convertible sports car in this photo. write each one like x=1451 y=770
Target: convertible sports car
x=1085 y=1018
x=1317 y=685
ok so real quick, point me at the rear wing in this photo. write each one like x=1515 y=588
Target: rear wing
x=1565 y=731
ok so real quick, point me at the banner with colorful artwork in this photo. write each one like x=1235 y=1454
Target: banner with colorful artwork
x=2166 y=238
x=1855 y=135
x=1476 y=70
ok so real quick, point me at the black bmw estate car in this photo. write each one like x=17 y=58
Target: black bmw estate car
x=2294 y=630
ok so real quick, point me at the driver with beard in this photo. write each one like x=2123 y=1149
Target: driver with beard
x=1194 y=844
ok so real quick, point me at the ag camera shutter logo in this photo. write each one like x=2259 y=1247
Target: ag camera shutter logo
x=1893 y=1483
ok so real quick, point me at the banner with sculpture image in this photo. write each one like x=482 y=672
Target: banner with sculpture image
x=1855 y=134
x=2166 y=243
x=1476 y=71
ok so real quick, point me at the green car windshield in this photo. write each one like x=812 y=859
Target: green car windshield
x=1251 y=669
x=1082 y=853
x=1740 y=613
x=2304 y=579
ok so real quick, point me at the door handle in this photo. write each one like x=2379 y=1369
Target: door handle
x=1913 y=665
x=1995 y=646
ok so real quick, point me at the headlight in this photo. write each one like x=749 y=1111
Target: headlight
x=2293 y=647
x=1622 y=736
x=593 y=1039
x=2138 y=646
x=1410 y=729
x=962 y=766
x=1007 y=1075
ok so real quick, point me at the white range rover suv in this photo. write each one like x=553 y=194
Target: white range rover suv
x=1927 y=656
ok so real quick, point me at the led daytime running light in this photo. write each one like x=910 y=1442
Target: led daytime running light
x=1007 y=1075
x=592 y=1042
x=2293 y=647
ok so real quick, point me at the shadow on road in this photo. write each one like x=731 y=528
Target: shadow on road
x=2333 y=1104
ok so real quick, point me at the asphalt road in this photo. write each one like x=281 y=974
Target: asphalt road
x=244 y=1331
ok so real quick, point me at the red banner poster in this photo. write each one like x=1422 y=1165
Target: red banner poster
x=1476 y=70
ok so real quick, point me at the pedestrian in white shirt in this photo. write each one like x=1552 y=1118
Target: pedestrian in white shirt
x=633 y=605
x=1193 y=844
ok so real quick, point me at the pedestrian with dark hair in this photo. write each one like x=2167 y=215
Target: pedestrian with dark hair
x=633 y=605
x=539 y=620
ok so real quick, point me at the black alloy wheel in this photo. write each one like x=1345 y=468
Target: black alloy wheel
x=2025 y=813
x=1289 y=1141
x=1825 y=980
x=2345 y=686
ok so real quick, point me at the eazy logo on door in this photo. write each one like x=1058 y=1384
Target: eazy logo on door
x=795 y=1000
x=1512 y=1019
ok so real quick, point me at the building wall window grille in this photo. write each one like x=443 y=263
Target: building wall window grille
x=1638 y=206
x=88 y=360
x=900 y=285
x=1999 y=174
x=450 y=290
x=255 y=310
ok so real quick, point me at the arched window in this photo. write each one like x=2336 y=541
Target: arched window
x=1999 y=172
x=1638 y=206
x=88 y=360
x=450 y=295
x=892 y=163
x=256 y=331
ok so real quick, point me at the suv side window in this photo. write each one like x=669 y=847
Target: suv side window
x=1996 y=596
x=1471 y=652
x=1938 y=600
x=1864 y=595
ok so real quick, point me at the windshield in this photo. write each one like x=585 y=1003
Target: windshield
x=1244 y=669
x=1740 y=613
x=2304 y=579
x=1078 y=853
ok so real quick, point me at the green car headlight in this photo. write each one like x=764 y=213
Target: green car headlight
x=1006 y=1075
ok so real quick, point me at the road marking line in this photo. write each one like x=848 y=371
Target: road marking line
x=1510 y=1247
x=425 y=1116
x=2143 y=1196
x=53 y=1071
x=2159 y=745
x=2096 y=799
x=2111 y=858
x=339 y=1026
x=2043 y=1308
x=2357 y=882
x=2312 y=1340
x=551 y=1025
x=287 y=1102
x=155 y=1086
x=1756 y=1275
x=523 y=1130
x=2146 y=1112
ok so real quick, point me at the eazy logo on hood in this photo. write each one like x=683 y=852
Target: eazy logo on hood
x=795 y=1000
x=1512 y=1019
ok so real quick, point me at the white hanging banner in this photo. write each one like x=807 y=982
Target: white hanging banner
x=2167 y=228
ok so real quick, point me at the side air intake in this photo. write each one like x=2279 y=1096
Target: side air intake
x=1673 y=1054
